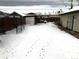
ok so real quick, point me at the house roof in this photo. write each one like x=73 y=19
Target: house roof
x=3 y=13
x=14 y=13
x=22 y=14
x=17 y=14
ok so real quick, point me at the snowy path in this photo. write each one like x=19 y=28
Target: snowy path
x=43 y=41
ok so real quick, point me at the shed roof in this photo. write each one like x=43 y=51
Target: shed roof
x=31 y=14
x=74 y=10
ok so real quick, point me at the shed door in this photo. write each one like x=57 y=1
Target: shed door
x=71 y=23
x=75 y=23
x=30 y=20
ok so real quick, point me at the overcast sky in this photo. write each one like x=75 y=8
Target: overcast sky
x=30 y=0
x=34 y=2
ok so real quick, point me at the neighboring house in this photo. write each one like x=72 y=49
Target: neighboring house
x=70 y=20
x=11 y=21
x=16 y=20
x=2 y=15
x=30 y=19
x=18 y=17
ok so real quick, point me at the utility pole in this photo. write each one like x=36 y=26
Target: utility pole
x=71 y=4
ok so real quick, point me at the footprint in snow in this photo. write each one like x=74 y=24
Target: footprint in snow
x=30 y=50
x=42 y=53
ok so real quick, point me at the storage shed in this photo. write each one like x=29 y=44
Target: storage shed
x=70 y=20
x=30 y=19
x=16 y=20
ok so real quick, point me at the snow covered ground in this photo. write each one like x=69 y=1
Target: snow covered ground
x=42 y=41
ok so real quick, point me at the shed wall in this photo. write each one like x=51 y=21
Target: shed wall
x=64 y=19
x=70 y=19
x=77 y=23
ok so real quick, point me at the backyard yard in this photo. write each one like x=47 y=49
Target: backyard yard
x=42 y=41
